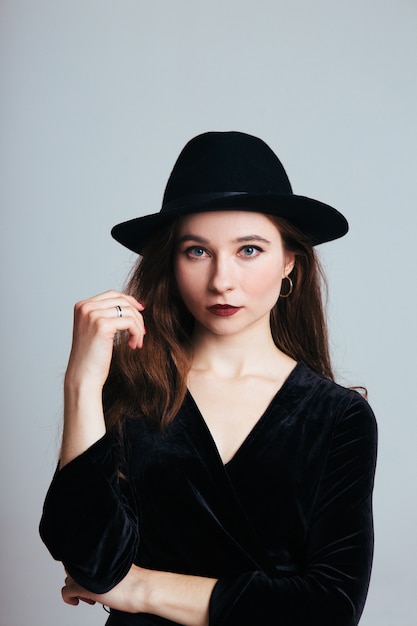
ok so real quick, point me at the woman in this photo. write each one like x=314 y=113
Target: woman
x=211 y=471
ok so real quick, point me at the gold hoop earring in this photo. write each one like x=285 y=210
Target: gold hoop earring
x=290 y=288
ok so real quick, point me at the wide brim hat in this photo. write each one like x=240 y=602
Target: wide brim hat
x=219 y=171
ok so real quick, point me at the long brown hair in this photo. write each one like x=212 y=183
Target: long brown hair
x=152 y=382
x=298 y=323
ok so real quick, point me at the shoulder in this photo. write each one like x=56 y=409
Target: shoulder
x=340 y=416
x=327 y=398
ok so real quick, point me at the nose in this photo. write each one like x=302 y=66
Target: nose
x=222 y=277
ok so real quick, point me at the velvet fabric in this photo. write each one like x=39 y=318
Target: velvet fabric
x=285 y=526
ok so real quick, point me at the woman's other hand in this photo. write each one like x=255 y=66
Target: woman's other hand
x=181 y=598
x=126 y=596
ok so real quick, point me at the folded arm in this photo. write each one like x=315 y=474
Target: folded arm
x=330 y=587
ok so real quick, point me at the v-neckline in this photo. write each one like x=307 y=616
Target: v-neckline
x=254 y=428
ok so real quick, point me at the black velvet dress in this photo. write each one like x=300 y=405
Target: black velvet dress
x=286 y=525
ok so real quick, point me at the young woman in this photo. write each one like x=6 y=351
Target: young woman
x=211 y=471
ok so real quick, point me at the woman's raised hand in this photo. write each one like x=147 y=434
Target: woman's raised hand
x=96 y=322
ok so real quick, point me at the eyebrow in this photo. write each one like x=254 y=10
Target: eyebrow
x=245 y=239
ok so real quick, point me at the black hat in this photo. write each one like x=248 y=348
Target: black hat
x=219 y=171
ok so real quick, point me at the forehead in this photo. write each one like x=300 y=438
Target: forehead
x=234 y=222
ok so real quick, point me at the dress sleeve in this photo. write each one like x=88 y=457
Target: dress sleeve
x=89 y=521
x=332 y=585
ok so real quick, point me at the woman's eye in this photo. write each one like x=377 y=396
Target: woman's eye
x=250 y=251
x=195 y=251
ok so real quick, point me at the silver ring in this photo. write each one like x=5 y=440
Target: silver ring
x=119 y=310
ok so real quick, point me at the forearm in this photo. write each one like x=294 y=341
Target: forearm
x=96 y=323
x=83 y=419
x=177 y=597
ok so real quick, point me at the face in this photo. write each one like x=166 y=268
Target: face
x=229 y=266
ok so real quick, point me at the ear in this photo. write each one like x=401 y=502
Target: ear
x=289 y=263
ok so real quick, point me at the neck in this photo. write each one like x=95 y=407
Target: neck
x=235 y=356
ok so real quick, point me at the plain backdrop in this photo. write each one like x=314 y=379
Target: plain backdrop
x=97 y=99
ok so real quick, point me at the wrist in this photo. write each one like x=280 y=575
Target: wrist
x=148 y=596
x=78 y=384
x=181 y=598
x=137 y=590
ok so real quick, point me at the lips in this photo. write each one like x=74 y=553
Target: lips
x=224 y=309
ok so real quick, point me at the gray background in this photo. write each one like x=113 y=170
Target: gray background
x=97 y=99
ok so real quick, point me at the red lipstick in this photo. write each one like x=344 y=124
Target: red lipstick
x=224 y=310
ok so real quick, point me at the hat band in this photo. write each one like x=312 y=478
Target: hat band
x=200 y=199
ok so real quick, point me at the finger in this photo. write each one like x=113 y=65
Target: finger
x=69 y=598
x=88 y=601
x=112 y=310
x=117 y=295
x=127 y=311
x=120 y=310
x=135 y=338
x=83 y=309
x=72 y=593
x=109 y=307
x=111 y=320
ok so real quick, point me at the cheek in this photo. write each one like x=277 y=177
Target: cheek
x=265 y=286
x=186 y=283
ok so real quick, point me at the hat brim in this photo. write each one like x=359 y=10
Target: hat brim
x=318 y=221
